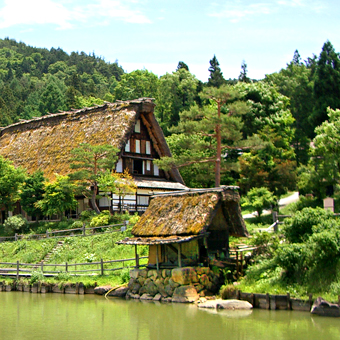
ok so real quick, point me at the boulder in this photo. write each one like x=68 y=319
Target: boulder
x=173 y=284
x=157 y=297
x=134 y=273
x=204 y=280
x=146 y=297
x=119 y=292
x=168 y=290
x=325 y=308
x=184 y=276
x=186 y=294
x=166 y=281
x=151 y=288
x=143 y=273
x=135 y=287
x=226 y=304
x=101 y=290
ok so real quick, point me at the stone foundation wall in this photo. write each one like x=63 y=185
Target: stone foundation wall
x=185 y=284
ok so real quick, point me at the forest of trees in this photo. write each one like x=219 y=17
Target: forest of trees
x=258 y=133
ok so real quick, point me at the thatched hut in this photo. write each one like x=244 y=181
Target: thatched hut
x=189 y=227
x=44 y=143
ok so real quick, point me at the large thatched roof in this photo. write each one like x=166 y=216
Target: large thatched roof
x=191 y=213
x=45 y=143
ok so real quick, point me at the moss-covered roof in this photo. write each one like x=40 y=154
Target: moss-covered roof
x=45 y=143
x=191 y=213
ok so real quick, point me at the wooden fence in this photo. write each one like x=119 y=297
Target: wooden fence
x=18 y=269
x=69 y=232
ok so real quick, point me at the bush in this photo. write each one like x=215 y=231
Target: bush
x=15 y=224
x=104 y=218
x=300 y=226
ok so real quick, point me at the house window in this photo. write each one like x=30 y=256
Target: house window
x=155 y=170
x=119 y=166
x=148 y=165
x=127 y=146
x=137 y=146
x=138 y=167
x=137 y=126
x=148 y=147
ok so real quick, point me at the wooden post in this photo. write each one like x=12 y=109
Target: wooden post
x=237 y=272
x=310 y=301
x=275 y=216
x=136 y=256
x=179 y=255
x=17 y=270
x=84 y=229
x=16 y=237
x=102 y=267
x=66 y=267
x=241 y=271
x=276 y=227
x=42 y=266
x=289 y=306
x=268 y=301
x=157 y=260
x=47 y=234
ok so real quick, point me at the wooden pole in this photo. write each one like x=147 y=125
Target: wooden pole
x=42 y=266
x=237 y=273
x=66 y=267
x=17 y=270
x=157 y=260
x=136 y=256
x=179 y=255
x=241 y=272
x=102 y=267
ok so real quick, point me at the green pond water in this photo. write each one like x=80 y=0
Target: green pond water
x=58 y=317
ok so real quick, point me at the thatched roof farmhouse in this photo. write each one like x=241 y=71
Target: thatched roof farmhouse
x=45 y=143
x=190 y=226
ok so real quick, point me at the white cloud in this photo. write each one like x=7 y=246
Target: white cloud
x=64 y=16
x=23 y=12
x=238 y=10
x=235 y=11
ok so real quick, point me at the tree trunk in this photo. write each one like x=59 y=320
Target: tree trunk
x=219 y=148
x=93 y=200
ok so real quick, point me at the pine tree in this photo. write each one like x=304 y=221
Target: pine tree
x=243 y=75
x=216 y=76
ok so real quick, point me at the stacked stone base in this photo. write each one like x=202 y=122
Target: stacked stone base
x=186 y=284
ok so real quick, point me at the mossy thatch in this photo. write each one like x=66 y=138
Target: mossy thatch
x=191 y=213
x=45 y=143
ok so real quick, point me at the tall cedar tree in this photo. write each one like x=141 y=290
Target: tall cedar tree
x=91 y=162
x=216 y=76
x=243 y=75
x=326 y=83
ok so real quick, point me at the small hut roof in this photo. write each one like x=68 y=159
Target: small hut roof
x=190 y=213
x=159 y=240
x=45 y=142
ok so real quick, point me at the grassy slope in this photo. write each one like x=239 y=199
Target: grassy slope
x=75 y=250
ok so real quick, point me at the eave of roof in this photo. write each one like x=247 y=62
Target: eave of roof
x=160 y=240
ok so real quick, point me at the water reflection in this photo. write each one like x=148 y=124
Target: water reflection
x=55 y=316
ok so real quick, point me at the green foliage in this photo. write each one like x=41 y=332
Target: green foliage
x=125 y=275
x=15 y=224
x=216 y=76
x=37 y=276
x=259 y=199
x=300 y=226
x=104 y=218
x=31 y=192
x=11 y=180
x=58 y=197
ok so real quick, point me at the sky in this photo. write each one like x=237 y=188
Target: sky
x=157 y=34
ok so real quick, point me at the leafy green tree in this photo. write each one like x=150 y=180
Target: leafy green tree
x=136 y=84
x=91 y=162
x=182 y=65
x=216 y=76
x=322 y=177
x=11 y=180
x=58 y=197
x=259 y=199
x=326 y=83
x=31 y=192
x=175 y=92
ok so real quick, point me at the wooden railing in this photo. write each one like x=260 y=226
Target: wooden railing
x=18 y=269
x=68 y=232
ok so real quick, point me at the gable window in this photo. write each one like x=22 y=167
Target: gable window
x=137 y=150
x=119 y=166
x=138 y=167
x=137 y=126
x=155 y=170
x=148 y=147
x=127 y=146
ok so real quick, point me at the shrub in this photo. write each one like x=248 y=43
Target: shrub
x=300 y=226
x=100 y=220
x=15 y=224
